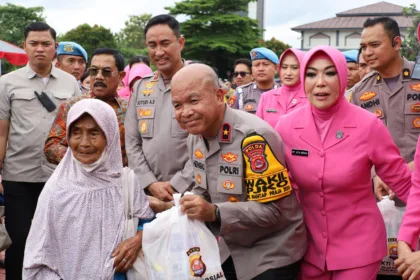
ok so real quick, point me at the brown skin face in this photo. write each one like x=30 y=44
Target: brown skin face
x=105 y=87
x=363 y=67
x=164 y=49
x=289 y=70
x=72 y=64
x=198 y=100
x=353 y=74
x=40 y=47
x=239 y=80
x=263 y=71
x=87 y=140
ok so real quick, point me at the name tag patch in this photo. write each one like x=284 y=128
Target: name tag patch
x=301 y=153
x=271 y=110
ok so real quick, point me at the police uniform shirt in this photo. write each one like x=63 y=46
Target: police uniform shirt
x=156 y=145
x=398 y=108
x=29 y=120
x=242 y=172
x=248 y=97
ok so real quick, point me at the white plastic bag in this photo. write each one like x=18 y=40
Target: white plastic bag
x=392 y=217
x=176 y=247
x=139 y=269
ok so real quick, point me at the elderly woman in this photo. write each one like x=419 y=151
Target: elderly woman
x=281 y=101
x=330 y=147
x=78 y=226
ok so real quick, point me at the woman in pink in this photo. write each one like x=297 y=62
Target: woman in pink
x=280 y=101
x=330 y=147
x=137 y=72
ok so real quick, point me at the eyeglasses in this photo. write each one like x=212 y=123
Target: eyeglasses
x=105 y=72
x=242 y=73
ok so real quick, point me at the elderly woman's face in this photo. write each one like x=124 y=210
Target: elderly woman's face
x=87 y=140
x=322 y=85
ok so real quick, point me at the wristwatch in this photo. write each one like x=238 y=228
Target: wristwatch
x=217 y=214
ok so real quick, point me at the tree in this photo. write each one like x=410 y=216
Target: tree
x=411 y=47
x=215 y=32
x=13 y=20
x=90 y=38
x=278 y=47
x=130 y=39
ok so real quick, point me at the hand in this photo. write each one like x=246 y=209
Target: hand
x=126 y=252
x=408 y=263
x=381 y=189
x=159 y=205
x=197 y=208
x=162 y=190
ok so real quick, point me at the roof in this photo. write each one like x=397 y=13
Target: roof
x=9 y=48
x=354 y=18
x=349 y=23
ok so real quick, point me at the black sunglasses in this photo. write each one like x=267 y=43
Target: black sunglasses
x=242 y=73
x=105 y=72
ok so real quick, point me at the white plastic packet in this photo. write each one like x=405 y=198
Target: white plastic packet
x=392 y=216
x=176 y=247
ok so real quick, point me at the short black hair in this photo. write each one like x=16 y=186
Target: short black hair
x=84 y=76
x=39 y=26
x=164 y=19
x=359 y=54
x=119 y=59
x=139 y=59
x=245 y=61
x=390 y=26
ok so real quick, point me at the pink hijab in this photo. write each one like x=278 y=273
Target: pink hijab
x=139 y=70
x=323 y=118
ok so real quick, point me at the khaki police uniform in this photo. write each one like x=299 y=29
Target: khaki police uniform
x=156 y=145
x=242 y=172
x=247 y=97
x=399 y=109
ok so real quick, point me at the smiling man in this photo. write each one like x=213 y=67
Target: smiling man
x=28 y=100
x=389 y=92
x=264 y=66
x=156 y=143
x=106 y=72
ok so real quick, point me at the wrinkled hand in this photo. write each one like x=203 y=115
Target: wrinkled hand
x=408 y=263
x=159 y=205
x=197 y=208
x=126 y=252
x=381 y=189
x=162 y=190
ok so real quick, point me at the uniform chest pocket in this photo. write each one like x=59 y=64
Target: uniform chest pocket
x=230 y=180
x=412 y=117
x=176 y=129
x=60 y=96
x=25 y=103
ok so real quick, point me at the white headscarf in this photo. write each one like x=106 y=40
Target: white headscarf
x=79 y=219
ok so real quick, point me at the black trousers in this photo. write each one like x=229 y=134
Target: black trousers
x=20 y=199
x=288 y=272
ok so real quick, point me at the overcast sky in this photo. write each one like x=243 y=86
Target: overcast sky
x=280 y=15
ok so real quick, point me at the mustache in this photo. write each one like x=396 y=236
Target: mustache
x=99 y=84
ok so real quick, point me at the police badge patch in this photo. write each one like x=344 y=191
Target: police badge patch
x=255 y=153
x=197 y=266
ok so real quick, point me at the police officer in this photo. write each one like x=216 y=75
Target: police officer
x=155 y=143
x=242 y=187
x=389 y=92
x=72 y=58
x=264 y=65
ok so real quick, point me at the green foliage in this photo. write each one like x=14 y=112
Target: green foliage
x=130 y=39
x=90 y=38
x=13 y=20
x=411 y=47
x=278 y=47
x=215 y=32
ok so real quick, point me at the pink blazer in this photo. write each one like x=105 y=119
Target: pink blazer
x=346 y=229
x=410 y=227
x=271 y=109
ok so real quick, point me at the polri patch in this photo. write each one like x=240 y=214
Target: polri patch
x=300 y=153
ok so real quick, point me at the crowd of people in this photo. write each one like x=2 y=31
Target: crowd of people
x=284 y=175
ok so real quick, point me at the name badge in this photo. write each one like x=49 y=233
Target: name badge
x=271 y=110
x=301 y=153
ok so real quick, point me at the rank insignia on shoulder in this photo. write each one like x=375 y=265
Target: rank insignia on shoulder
x=226 y=132
x=266 y=179
x=378 y=78
x=415 y=87
x=406 y=72
x=416 y=122
x=229 y=157
x=368 y=95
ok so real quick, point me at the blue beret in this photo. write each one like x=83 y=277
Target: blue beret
x=351 y=56
x=264 y=53
x=72 y=48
